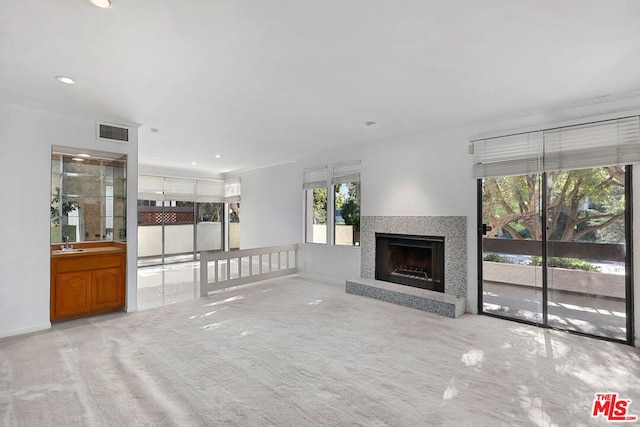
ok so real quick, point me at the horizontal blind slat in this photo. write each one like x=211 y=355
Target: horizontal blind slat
x=160 y=188
x=150 y=187
x=345 y=172
x=509 y=155
x=232 y=190
x=314 y=178
x=596 y=144
x=209 y=191
x=179 y=189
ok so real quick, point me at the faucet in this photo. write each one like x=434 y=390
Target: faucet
x=65 y=239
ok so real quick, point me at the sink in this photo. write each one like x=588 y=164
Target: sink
x=67 y=251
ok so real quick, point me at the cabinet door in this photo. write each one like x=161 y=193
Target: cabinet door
x=107 y=288
x=72 y=293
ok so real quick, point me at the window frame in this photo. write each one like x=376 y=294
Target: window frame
x=341 y=173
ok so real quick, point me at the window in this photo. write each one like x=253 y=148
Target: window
x=345 y=178
x=342 y=193
x=179 y=217
x=315 y=188
x=210 y=227
x=234 y=225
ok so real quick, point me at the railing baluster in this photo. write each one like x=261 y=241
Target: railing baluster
x=204 y=277
x=217 y=258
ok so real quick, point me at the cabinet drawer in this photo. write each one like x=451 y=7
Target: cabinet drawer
x=88 y=262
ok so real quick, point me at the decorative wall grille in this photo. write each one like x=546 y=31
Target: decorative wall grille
x=146 y=218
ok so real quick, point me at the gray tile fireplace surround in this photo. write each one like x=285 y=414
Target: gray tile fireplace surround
x=452 y=302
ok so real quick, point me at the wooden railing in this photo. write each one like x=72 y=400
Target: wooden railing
x=245 y=266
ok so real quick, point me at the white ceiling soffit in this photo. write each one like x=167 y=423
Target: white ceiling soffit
x=263 y=83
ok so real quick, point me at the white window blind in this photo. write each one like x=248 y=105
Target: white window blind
x=179 y=189
x=508 y=155
x=150 y=187
x=160 y=188
x=314 y=178
x=614 y=142
x=232 y=190
x=209 y=191
x=346 y=172
x=604 y=143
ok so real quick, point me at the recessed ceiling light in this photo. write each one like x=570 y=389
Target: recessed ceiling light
x=193 y=163
x=218 y=156
x=369 y=124
x=103 y=4
x=83 y=155
x=77 y=159
x=65 y=80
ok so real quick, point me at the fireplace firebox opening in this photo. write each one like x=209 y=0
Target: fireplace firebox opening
x=410 y=260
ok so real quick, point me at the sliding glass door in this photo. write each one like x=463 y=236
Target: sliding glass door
x=511 y=217
x=587 y=243
x=555 y=249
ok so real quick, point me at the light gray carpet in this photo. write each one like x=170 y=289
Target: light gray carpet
x=296 y=352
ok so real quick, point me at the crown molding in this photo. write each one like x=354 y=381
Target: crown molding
x=69 y=111
x=606 y=107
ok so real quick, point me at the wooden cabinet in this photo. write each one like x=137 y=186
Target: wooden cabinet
x=72 y=293
x=87 y=282
x=106 y=288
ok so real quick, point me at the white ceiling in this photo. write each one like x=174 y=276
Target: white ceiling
x=264 y=82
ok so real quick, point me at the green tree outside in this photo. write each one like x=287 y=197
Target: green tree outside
x=582 y=205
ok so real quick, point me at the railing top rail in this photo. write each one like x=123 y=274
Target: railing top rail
x=584 y=250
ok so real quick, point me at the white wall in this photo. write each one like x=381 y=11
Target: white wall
x=336 y=263
x=426 y=175
x=271 y=207
x=26 y=137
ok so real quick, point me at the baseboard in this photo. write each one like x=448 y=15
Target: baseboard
x=22 y=331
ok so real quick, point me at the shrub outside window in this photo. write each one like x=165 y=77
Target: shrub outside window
x=347 y=214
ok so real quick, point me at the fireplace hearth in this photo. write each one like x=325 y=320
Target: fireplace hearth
x=410 y=260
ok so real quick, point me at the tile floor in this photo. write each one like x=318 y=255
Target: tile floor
x=167 y=284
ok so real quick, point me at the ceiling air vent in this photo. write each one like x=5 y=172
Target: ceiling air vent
x=113 y=133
